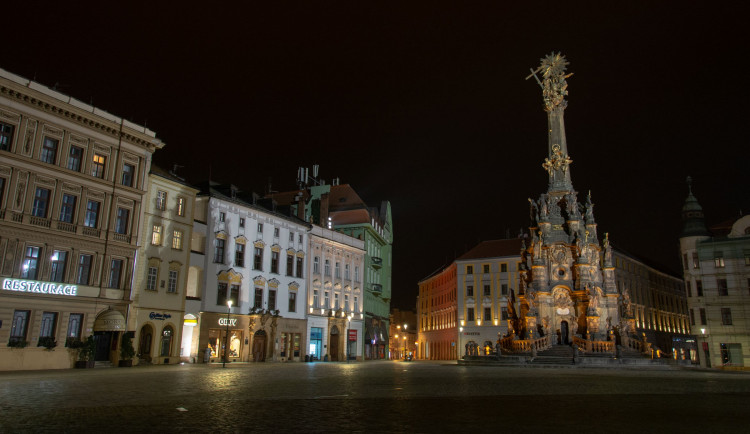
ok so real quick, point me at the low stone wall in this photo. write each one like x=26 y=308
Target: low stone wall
x=34 y=358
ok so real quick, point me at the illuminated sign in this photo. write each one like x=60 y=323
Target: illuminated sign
x=39 y=287
x=231 y=321
x=159 y=316
x=352 y=334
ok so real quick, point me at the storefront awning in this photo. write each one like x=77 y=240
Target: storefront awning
x=109 y=321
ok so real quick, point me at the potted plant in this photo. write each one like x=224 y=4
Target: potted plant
x=17 y=343
x=86 y=350
x=47 y=342
x=127 y=352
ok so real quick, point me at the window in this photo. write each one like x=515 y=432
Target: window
x=177 y=240
x=222 y=217
x=234 y=294
x=326 y=299
x=67 y=208
x=699 y=288
x=274 y=262
x=692 y=317
x=696 y=262
x=49 y=151
x=503 y=268
x=685 y=264
x=356 y=273
x=153 y=273
x=347 y=274
x=75 y=156
x=338 y=270
x=292 y=301
x=181 y=206
x=485 y=268
x=316 y=298
x=41 y=201
x=221 y=294
x=275 y=232
x=156 y=233
x=92 y=214
x=97 y=166
x=115 y=272
x=289 y=264
x=722 y=285
x=504 y=313
x=48 y=328
x=356 y=303
x=336 y=300
x=6 y=136
x=258 y=300
x=260 y=228
x=123 y=218
x=504 y=289
x=726 y=316
x=719 y=260
x=316 y=265
x=239 y=255
x=487 y=291
x=271 y=299
x=703 y=316
x=20 y=326
x=469 y=290
x=58 y=265
x=470 y=314
x=242 y=222
x=172 y=281
x=84 y=269
x=219 y=251
x=327 y=267
x=299 y=267
x=469 y=269
x=487 y=314
x=346 y=302
x=291 y=237
x=75 y=325
x=258 y=259
x=30 y=263
x=161 y=200
x=128 y=172
x=300 y=238
x=2 y=189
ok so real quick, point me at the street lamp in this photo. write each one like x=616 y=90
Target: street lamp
x=405 y=334
x=346 y=342
x=226 y=336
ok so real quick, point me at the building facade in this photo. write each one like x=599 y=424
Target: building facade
x=162 y=270
x=73 y=181
x=437 y=316
x=247 y=283
x=716 y=266
x=403 y=334
x=335 y=302
x=340 y=208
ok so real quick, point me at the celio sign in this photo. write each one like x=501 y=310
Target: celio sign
x=231 y=321
x=39 y=287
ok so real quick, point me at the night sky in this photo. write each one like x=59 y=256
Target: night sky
x=425 y=106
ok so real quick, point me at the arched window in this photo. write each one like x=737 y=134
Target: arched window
x=166 y=341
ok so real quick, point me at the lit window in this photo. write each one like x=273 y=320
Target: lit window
x=30 y=263
x=719 y=260
x=177 y=240
x=58 y=261
x=97 y=166
x=161 y=200
x=156 y=235
x=181 y=206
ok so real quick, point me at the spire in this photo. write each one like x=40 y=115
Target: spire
x=693 y=221
x=554 y=89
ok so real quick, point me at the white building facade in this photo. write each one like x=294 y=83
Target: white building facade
x=247 y=281
x=335 y=313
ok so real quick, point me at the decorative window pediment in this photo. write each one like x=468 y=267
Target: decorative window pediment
x=259 y=281
x=276 y=248
x=222 y=235
x=293 y=286
x=273 y=283
x=229 y=276
x=316 y=283
x=259 y=244
x=241 y=240
x=300 y=254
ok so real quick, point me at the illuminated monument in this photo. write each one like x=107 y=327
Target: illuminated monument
x=567 y=292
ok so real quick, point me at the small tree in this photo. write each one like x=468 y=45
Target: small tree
x=127 y=352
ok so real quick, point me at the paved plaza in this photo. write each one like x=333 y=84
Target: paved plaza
x=380 y=396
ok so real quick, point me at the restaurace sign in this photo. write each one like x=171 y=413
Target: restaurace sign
x=39 y=287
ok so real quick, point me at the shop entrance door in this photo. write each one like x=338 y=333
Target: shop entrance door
x=333 y=344
x=144 y=343
x=259 y=346
x=103 y=342
x=564 y=333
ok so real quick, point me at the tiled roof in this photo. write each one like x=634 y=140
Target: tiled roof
x=494 y=249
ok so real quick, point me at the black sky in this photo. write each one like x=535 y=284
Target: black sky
x=425 y=106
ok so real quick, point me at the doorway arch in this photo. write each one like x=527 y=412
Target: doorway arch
x=259 y=346
x=564 y=333
x=145 y=340
x=165 y=345
x=333 y=344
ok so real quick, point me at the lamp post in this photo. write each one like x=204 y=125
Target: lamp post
x=226 y=336
x=349 y=324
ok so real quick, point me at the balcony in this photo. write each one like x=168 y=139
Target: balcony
x=67 y=227
x=38 y=221
x=91 y=232
x=377 y=263
x=377 y=288
x=123 y=238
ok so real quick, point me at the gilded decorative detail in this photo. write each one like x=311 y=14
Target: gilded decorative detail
x=273 y=283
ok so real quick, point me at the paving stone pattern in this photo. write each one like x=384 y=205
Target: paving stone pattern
x=421 y=397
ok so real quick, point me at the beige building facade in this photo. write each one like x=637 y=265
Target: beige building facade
x=72 y=187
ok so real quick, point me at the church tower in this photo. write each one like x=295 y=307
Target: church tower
x=567 y=288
